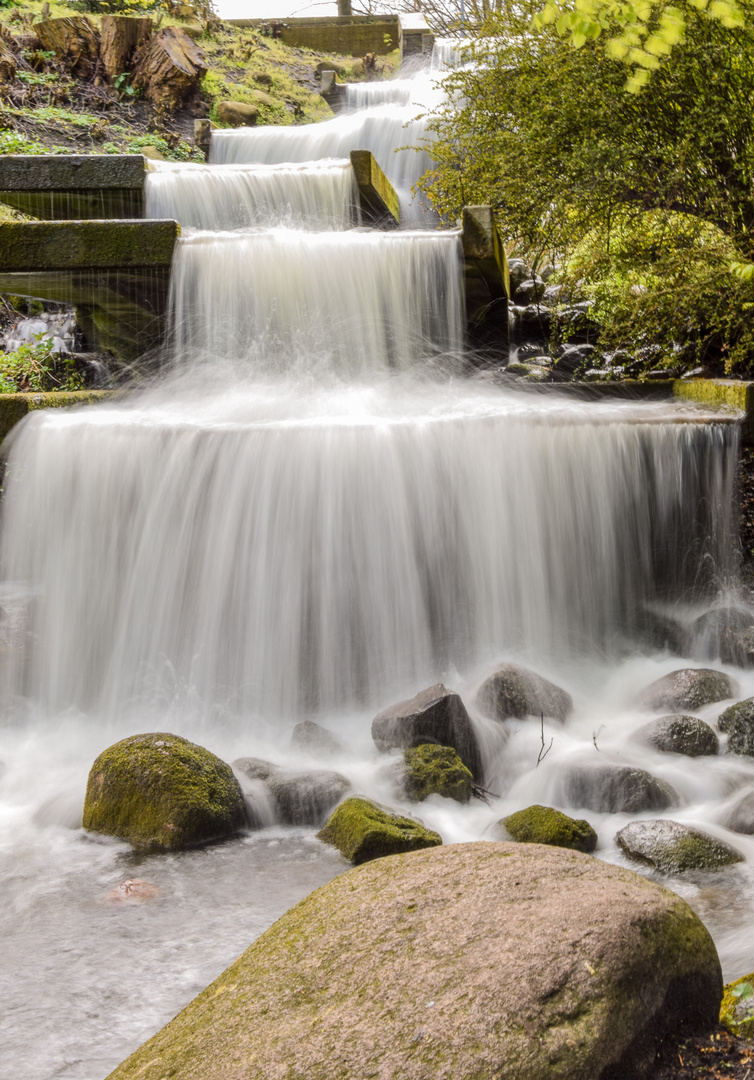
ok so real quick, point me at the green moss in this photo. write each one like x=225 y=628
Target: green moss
x=362 y=831
x=737 y=1007
x=162 y=792
x=436 y=770
x=543 y=825
x=64 y=245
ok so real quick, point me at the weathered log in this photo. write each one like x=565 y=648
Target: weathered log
x=169 y=67
x=74 y=38
x=121 y=37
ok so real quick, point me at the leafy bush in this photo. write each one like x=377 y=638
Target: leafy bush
x=37 y=368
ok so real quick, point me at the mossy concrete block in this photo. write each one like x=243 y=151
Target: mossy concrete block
x=483 y=248
x=544 y=825
x=379 y=202
x=731 y=394
x=673 y=848
x=161 y=792
x=471 y=961
x=361 y=831
x=76 y=245
x=435 y=770
x=737 y=1007
x=71 y=172
x=344 y=35
x=14 y=407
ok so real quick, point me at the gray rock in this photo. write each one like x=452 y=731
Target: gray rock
x=616 y=789
x=254 y=768
x=673 y=848
x=475 y=960
x=727 y=632
x=519 y=272
x=315 y=739
x=529 y=291
x=513 y=690
x=679 y=734
x=737 y=723
x=741 y=817
x=237 y=114
x=435 y=715
x=737 y=646
x=306 y=798
x=688 y=688
x=573 y=357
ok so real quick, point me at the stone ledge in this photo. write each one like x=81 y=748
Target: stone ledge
x=379 y=202
x=14 y=407
x=77 y=245
x=732 y=394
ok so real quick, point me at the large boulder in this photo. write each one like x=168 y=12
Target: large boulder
x=674 y=848
x=616 y=789
x=737 y=723
x=435 y=770
x=513 y=690
x=314 y=739
x=362 y=831
x=162 y=792
x=435 y=715
x=306 y=798
x=688 y=688
x=470 y=962
x=544 y=825
x=678 y=734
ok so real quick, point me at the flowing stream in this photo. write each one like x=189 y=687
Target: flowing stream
x=316 y=512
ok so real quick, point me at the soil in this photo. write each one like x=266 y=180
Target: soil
x=713 y=1056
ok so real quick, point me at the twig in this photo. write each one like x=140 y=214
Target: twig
x=542 y=751
x=595 y=734
x=479 y=792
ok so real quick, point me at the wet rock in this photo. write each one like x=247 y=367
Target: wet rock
x=725 y=632
x=513 y=690
x=361 y=831
x=572 y=358
x=673 y=848
x=529 y=291
x=519 y=272
x=543 y=825
x=435 y=770
x=737 y=723
x=255 y=768
x=237 y=114
x=162 y=792
x=306 y=798
x=132 y=891
x=688 y=688
x=741 y=818
x=679 y=734
x=616 y=789
x=511 y=961
x=314 y=739
x=661 y=631
x=737 y=1008
x=435 y=715
x=737 y=646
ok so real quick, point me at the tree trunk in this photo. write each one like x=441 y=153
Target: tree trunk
x=121 y=37
x=169 y=67
x=74 y=38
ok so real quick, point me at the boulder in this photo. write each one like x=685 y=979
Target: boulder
x=513 y=690
x=435 y=715
x=737 y=723
x=616 y=789
x=688 y=688
x=237 y=114
x=316 y=740
x=471 y=962
x=435 y=770
x=737 y=1008
x=529 y=291
x=543 y=825
x=361 y=831
x=740 y=819
x=677 y=734
x=673 y=848
x=263 y=78
x=254 y=768
x=737 y=646
x=306 y=798
x=162 y=792
x=519 y=272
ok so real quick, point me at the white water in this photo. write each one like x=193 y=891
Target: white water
x=313 y=515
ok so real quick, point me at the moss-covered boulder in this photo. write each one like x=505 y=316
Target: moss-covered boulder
x=161 y=792
x=467 y=962
x=737 y=723
x=361 y=831
x=435 y=715
x=673 y=848
x=677 y=734
x=544 y=825
x=615 y=789
x=513 y=690
x=435 y=770
x=688 y=688
x=737 y=1008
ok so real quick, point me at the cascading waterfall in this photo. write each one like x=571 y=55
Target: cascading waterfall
x=313 y=514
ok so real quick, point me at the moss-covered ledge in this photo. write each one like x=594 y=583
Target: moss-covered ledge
x=14 y=407
x=733 y=394
x=28 y=246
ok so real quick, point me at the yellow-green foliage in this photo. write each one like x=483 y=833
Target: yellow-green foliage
x=362 y=831
x=737 y=1007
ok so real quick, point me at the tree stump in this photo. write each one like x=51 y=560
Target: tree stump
x=121 y=37
x=169 y=67
x=74 y=38
x=7 y=65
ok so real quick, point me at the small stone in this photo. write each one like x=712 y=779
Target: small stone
x=361 y=831
x=435 y=770
x=132 y=891
x=237 y=114
x=513 y=690
x=544 y=825
x=688 y=688
x=677 y=734
x=315 y=739
x=673 y=848
x=616 y=789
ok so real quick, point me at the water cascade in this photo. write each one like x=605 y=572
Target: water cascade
x=315 y=513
